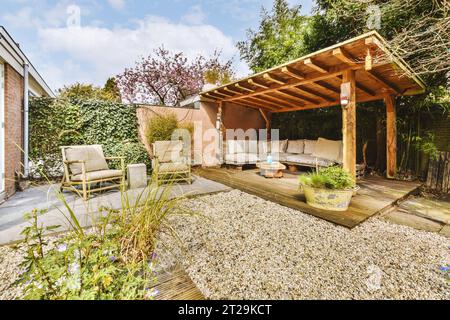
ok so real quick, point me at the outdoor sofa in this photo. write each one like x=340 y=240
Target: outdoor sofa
x=311 y=153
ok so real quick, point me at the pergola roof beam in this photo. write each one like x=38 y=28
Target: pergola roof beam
x=384 y=83
x=344 y=56
x=279 y=100
x=293 y=73
x=273 y=79
x=268 y=104
x=257 y=84
x=237 y=85
x=334 y=72
x=255 y=105
x=297 y=96
x=312 y=93
x=316 y=66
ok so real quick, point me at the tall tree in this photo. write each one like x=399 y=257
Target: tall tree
x=166 y=78
x=278 y=39
x=111 y=90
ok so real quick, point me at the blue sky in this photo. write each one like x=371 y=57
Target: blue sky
x=109 y=35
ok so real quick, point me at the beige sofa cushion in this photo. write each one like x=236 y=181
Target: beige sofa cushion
x=327 y=149
x=279 y=146
x=295 y=146
x=236 y=146
x=98 y=175
x=168 y=151
x=92 y=155
x=310 y=145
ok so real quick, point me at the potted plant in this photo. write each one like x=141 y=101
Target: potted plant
x=329 y=188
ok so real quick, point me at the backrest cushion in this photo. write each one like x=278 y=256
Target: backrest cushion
x=296 y=146
x=236 y=146
x=251 y=146
x=327 y=149
x=278 y=146
x=263 y=147
x=168 y=151
x=92 y=155
x=310 y=145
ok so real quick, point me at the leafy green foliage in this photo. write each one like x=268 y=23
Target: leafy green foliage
x=114 y=260
x=111 y=90
x=56 y=122
x=334 y=178
x=279 y=38
x=81 y=91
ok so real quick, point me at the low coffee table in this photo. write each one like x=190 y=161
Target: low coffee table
x=272 y=170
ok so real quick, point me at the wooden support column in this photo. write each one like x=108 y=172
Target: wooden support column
x=268 y=119
x=349 y=122
x=391 y=136
x=221 y=132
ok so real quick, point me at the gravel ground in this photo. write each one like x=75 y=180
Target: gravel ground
x=9 y=273
x=243 y=247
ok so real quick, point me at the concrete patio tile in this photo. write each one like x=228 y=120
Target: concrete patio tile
x=437 y=210
x=445 y=231
x=411 y=220
x=44 y=197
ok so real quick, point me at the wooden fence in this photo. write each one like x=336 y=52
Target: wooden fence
x=439 y=173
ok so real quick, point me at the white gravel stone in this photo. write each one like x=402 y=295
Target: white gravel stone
x=9 y=273
x=243 y=247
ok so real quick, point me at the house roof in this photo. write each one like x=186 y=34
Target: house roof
x=11 y=52
x=314 y=81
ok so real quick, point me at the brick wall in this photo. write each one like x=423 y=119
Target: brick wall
x=13 y=127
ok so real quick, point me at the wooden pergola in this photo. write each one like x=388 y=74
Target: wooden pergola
x=358 y=70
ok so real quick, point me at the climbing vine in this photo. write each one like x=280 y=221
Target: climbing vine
x=57 y=122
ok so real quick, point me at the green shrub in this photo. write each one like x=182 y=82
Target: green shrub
x=134 y=152
x=335 y=178
x=161 y=127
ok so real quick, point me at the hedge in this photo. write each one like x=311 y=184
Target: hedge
x=56 y=122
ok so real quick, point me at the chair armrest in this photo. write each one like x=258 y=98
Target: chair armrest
x=122 y=161
x=74 y=161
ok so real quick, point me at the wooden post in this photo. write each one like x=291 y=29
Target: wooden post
x=268 y=119
x=391 y=136
x=219 y=128
x=349 y=124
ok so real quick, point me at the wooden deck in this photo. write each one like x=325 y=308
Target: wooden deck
x=376 y=194
x=177 y=285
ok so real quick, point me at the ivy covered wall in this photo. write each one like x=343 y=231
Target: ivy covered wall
x=56 y=122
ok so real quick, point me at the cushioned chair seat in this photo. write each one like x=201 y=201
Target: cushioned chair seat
x=172 y=167
x=308 y=159
x=98 y=175
x=241 y=158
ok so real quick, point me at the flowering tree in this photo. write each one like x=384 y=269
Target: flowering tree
x=165 y=78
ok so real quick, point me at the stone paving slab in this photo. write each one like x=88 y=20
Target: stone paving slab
x=434 y=209
x=44 y=197
x=416 y=222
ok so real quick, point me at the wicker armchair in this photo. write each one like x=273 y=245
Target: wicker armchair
x=85 y=166
x=170 y=162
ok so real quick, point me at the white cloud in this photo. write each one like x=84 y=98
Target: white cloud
x=117 y=4
x=195 y=15
x=103 y=52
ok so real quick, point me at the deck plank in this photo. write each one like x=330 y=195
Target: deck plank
x=176 y=285
x=376 y=194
